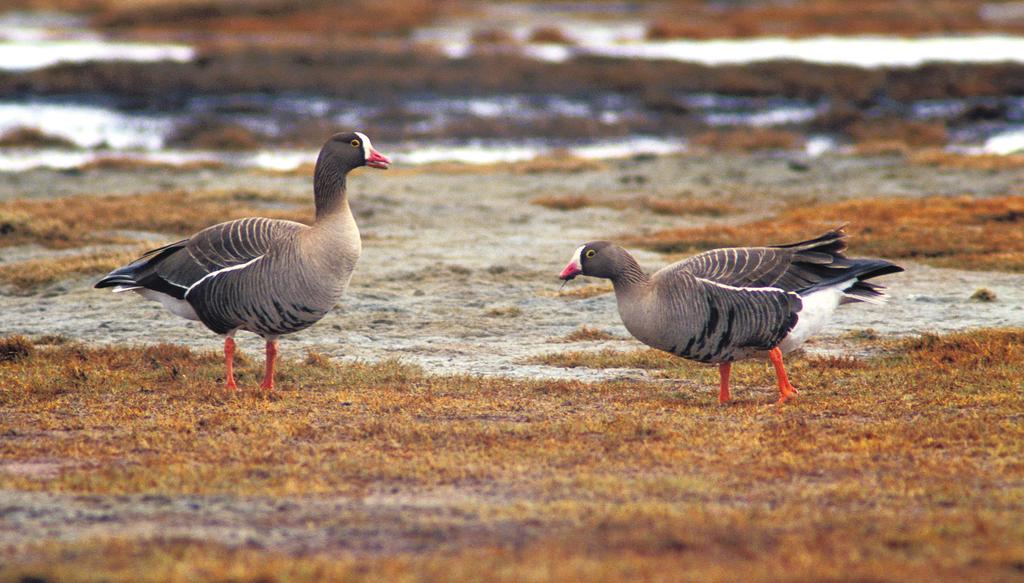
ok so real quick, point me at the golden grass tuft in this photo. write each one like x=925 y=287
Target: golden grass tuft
x=833 y=17
x=212 y=134
x=577 y=291
x=588 y=334
x=564 y=202
x=983 y=294
x=748 y=140
x=609 y=358
x=904 y=466
x=660 y=206
x=15 y=348
x=943 y=159
x=124 y=163
x=977 y=233
x=76 y=221
x=28 y=276
x=504 y=312
x=910 y=134
x=27 y=137
x=549 y=34
x=358 y=18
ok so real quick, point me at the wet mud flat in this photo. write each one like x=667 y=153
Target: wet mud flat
x=459 y=269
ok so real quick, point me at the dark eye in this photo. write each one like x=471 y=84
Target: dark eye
x=590 y=253
x=356 y=143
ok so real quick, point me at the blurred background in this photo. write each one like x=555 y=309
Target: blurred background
x=261 y=83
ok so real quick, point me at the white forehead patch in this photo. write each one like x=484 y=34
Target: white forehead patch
x=576 y=259
x=366 y=145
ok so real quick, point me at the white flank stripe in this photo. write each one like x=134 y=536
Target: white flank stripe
x=771 y=290
x=220 y=271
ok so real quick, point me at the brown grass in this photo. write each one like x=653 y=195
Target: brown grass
x=748 y=140
x=610 y=358
x=28 y=276
x=976 y=233
x=504 y=312
x=213 y=134
x=578 y=291
x=660 y=206
x=24 y=137
x=80 y=220
x=816 y=17
x=913 y=134
x=359 y=18
x=901 y=467
x=14 y=348
x=588 y=334
x=549 y=34
x=368 y=72
x=943 y=159
x=123 y=163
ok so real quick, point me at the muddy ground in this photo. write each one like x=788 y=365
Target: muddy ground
x=459 y=275
x=459 y=270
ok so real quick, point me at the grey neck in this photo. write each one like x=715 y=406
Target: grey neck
x=628 y=272
x=329 y=192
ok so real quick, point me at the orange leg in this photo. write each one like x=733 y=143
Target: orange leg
x=268 y=378
x=723 y=374
x=786 y=390
x=229 y=360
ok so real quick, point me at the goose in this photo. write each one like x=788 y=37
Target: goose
x=730 y=304
x=266 y=276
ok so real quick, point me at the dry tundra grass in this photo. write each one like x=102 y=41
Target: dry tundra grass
x=905 y=466
x=659 y=206
x=686 y=18
x=27 y=276
x=963 y=232
x=89 y=220
x=80 y=220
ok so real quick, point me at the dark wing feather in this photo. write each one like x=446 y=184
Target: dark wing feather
x=174 y=268
x=741 y=318
x=739 y=266
x=794 y=267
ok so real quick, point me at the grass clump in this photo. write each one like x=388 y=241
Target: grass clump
x=588 y=334
x=28 y=276
x=15 y=348
x=943 y=159
x=659 y=206
x=908 y=458
x=80 y=220
x=648 y=358
x=748 y=140
x=504 y=312
x=27 y=137
x=983 y=294
x=582 y=292
x=978 y=233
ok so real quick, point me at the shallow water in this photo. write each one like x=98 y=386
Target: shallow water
x=33 y=40
x=102 y=129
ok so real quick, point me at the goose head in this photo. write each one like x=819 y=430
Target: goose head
x=346 y=151
x=596 y=259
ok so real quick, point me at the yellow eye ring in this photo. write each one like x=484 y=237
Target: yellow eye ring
x=590 y=253
x=355 y=143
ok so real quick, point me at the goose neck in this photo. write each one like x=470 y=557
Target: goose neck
x=329 y=193
x=629 y=274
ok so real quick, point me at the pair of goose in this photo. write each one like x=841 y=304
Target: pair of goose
x=276 y=277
